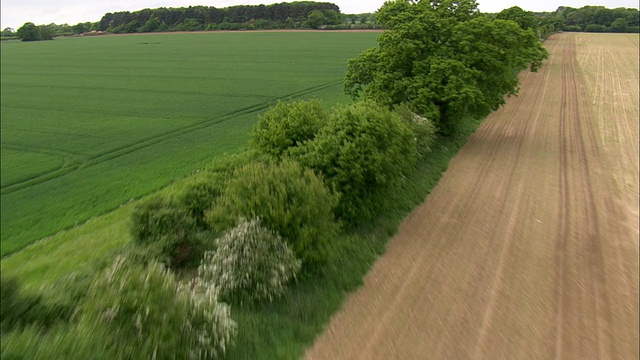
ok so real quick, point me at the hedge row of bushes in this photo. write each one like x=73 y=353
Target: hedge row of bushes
x=248 y=229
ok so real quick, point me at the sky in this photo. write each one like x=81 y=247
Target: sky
x=17 y=12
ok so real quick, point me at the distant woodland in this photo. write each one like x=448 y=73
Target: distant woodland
x=310 y=15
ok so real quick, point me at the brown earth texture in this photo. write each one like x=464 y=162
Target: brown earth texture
x=528 y=246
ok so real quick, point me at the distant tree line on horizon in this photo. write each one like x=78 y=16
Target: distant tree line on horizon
x=313 y=15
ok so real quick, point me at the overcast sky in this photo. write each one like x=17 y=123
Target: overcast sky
x=17 y=12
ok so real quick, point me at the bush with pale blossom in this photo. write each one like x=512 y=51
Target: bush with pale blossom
x=251 y=263
x=146 y=312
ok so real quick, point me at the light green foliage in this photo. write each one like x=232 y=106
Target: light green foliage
x=445 y=60
x=113 y=118
x=146 y=312
x=287 y=125
x=362 y=151
x=251 y=263
x=289 y=200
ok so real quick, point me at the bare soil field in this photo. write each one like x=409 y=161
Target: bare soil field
x=528 y=246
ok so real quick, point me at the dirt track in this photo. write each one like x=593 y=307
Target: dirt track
x=528 y=247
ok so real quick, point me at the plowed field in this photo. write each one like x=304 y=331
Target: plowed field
x=528 y=247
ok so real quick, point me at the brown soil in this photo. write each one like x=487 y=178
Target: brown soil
x=528 y=247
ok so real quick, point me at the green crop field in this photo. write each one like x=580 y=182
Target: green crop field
x=89 y=123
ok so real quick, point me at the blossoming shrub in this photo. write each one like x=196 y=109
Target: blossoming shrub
x=287 y=125
x=147 y=313
x=290 y=200
x=251 y=263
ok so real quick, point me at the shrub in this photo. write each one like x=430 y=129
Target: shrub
x=200 y=195
x=166 y=229
x=146 y=312
x=362 y=151
x=289 y=200
x=251 y=263
x=50 y=305
x=595 y=28
x=286 y=125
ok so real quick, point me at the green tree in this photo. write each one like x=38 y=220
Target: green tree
x=8 y=32
x=444 y=59
x=316 y=19
x=47 y=32
x=28 y=32
x=619 y=25
x=151 y=25
x=524 y=19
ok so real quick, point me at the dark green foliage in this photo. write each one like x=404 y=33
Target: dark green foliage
x=47 y=32
x=362 y=152
x=275 y=16
x=8 y=32
x=525 y=19
x=467 y=76
x=595 y=28
x=572 y=28
x=201 y=194
x=28 y=32
x=620 y=25
x=51 y=305
x=287 y=125
x=289 y=200
x=165 y=229
x=573 y=19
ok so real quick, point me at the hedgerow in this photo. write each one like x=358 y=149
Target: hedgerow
x=290 y=200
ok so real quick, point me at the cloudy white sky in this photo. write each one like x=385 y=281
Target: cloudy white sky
x=17 y=12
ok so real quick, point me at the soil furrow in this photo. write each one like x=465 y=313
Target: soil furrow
x=519 y=252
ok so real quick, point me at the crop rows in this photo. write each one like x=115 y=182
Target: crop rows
x=88 y=124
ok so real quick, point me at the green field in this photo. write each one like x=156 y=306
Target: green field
x=89 y=123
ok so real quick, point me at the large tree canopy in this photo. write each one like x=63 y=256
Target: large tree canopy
x=444 y=60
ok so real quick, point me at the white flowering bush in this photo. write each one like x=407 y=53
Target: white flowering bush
x=147 y=313
x=251 y=263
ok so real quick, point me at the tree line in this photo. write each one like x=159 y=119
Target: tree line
x=592 y=19
x=312 y=15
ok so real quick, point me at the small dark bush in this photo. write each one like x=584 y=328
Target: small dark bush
x=166 y=230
